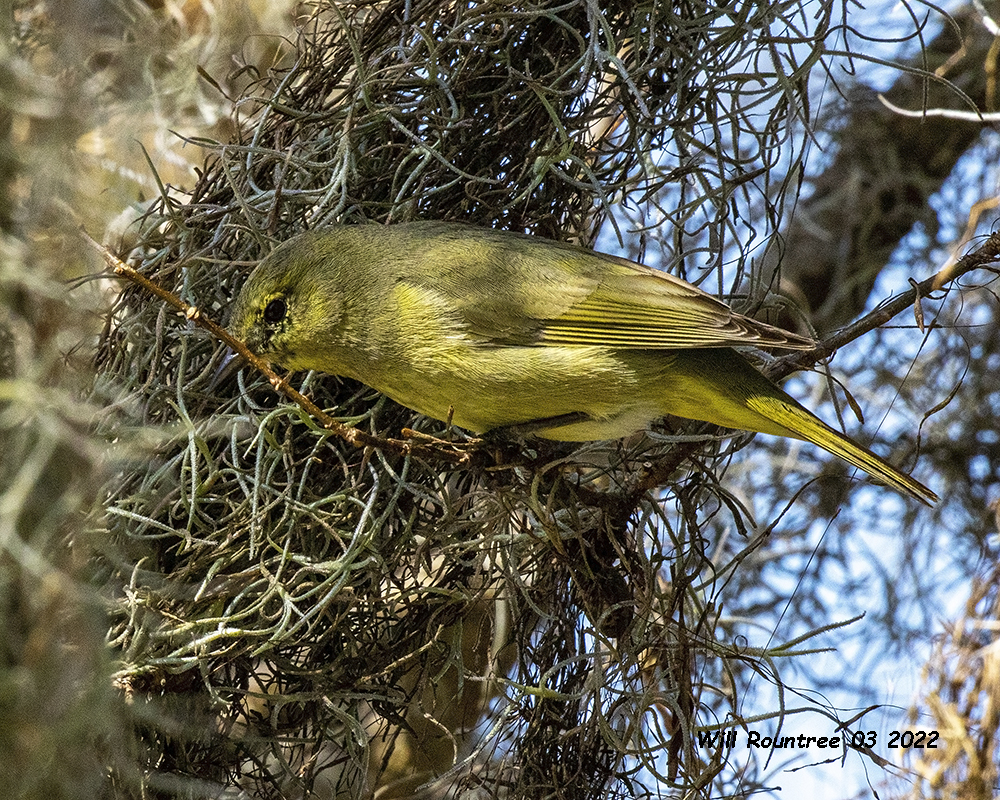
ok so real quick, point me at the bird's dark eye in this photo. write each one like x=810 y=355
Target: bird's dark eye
x=275 y=311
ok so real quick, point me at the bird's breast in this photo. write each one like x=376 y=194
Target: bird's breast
x=482 y=387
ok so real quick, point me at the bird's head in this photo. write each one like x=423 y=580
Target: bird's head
x=290 y=309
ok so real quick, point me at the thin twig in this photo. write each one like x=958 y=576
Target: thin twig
x=445 y=451
x=988 y=253
x=455 y=454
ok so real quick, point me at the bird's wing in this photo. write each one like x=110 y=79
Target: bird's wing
x=579 y=297
x=633 y=306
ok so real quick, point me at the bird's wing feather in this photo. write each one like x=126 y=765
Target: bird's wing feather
x=579 y=297
x=637 y=307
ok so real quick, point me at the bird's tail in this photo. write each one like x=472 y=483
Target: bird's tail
x=803 y=424
x=729 y=391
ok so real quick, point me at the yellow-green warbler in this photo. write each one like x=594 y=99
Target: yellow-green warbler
x=493 y=329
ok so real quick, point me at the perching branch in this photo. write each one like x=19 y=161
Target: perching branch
x=457 y=454
x=445 y=451
x=988 y=253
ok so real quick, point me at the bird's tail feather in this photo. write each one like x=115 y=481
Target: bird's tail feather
x=803 y=424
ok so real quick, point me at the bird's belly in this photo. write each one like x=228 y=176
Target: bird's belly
x=486 y=388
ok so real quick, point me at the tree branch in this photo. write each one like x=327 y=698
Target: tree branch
x=988 y=253
x=436 y=448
